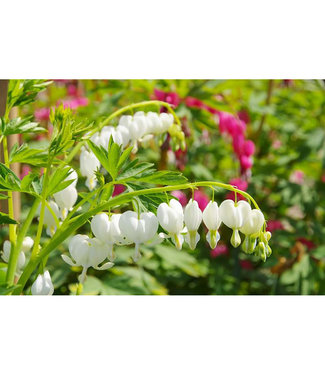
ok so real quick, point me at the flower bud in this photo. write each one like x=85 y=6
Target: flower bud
x=27 y=244
x=193 y=219
x=43 y=286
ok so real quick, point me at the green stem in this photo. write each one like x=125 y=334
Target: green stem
x=64 y=232
x=42 y=211
x=21 y=235
x=117 y=113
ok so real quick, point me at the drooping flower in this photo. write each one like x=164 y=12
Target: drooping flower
x=87 y=252
x=66 y=199
x=6 y=256
x=234 y=216
x=107 y=230
x=251 y=228
x=138 y=228
x=118 y=189
x=168 y=97
x=49 y=220
x=43 y=285
x=273 y=225
x=239 y=184
x=88 y=165
x=212 y=221
x=171 y=218
x=193 y=219
x=42 y=114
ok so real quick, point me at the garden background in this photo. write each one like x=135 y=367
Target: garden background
x=264 y=136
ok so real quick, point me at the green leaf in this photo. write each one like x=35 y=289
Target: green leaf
x=8 y=179
x=26 y=155
x=100 y=153
x=20 y=126
x=134 y=170
x=124 y=157
x=164 y=178
x=113 y=160
x=3 y=196
x=319 y=253
x=5 y=289
x=5 y=219
x=57 y=181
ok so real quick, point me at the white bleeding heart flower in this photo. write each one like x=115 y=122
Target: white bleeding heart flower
x=66 y=199
x=212 y=221
x=107 y=230
x=167 y=120
x=139 y=127
x=123 y=134
x=6 y=256
x=43 y=285
x=234 y=215
x=87 y=252
x=49 y=220
x=171 y=218
x=253 y=223
x=138 y=228
x=193 y=219
x=88 y=166
x=27 y=244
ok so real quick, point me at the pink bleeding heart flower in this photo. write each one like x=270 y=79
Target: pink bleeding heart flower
x=246 y=162
x=180 y=196
x=201 y=198
x=273 y=225
x=309 y=244
x=168 y=97
x=118 y=189
x=297 y=177
x=239 y=184
x=219 y=250
x=248 y=148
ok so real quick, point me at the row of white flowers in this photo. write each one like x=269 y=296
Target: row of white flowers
x=180 y=225
x=130 y=130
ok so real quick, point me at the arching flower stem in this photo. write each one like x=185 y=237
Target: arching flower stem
x=71 y=225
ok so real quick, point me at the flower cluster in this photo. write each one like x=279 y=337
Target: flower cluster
x=235 y=128
x=180 y=225
x=130 y=130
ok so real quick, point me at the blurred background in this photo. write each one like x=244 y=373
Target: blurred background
x=266 y=137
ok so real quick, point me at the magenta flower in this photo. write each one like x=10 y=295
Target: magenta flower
x=180 y=196
x=42 y=114
x=118 y=189
x=72 y=90
x=219 y=250
x=168 y=97
x=246 y=264
x=248 y=148
x=239 y=184
x=273 y=225
x=75 y=103
x=244 y=116
x=246 y=162
x=201 y=198
x=308 y=243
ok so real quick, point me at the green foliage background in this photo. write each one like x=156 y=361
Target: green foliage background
x=293 y=118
